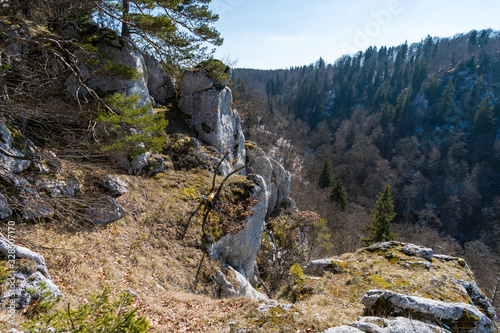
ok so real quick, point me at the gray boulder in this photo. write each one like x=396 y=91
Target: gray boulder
x=396 y=325
x=478 y=298
x=139 y=162
x=30 y=287
x=417 y=251
x=239 y=250
x=11 y=164
x=243 y=288
x=34 y=206
x=114 y=185
x=453 y=315
x=194 y=81
x=26 y=286
x=320 y=266
x=105 y=211
x=59 y=188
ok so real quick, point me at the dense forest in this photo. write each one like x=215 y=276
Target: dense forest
x=423 y=118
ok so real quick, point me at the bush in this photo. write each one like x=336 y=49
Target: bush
x=134 y=128
x=98 y=315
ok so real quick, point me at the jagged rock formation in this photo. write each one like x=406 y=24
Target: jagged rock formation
x=150 y=82
x=276 y=178
x=21 y=280
x=209 y=103
x=240 y=288
x=239 y=250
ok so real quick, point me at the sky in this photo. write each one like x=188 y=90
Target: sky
x=272 y=34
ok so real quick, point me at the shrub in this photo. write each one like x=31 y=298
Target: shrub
x=134 y=128
x=98 y=315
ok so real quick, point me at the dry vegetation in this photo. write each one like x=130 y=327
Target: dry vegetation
x=145 y=253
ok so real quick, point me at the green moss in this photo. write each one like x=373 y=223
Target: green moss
x=215 y=70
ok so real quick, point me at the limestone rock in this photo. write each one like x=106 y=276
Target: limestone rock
x=59 y=188
x=453 y=315
x=35 y=208
x=239 y=250
x=478 y=298
x=121 y=52
x=396 y=325
x=106 y=211
x=27 y=280
x=276 y=178
x=161 y=86
x=114 y=185
x=417 y=251
x=212 y=116
x=5 y=209
x=11 y=164
x=35 y=283
x=320 y=266
x=343 y=329
x=194 y=81
x=243 y=288
x=271 y=305
x=226 y=288
x=22 y=252
x=139 y=162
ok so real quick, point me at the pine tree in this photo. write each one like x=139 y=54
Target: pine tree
x=382 y=215
x=446 y=102
x=339 y=194
x=325 y=176
x=174 y=31
x=484 y=118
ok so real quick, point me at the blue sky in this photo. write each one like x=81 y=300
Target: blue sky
x=270 y=34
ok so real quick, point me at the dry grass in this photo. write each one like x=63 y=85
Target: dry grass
x=154 y=253
x=142 y=252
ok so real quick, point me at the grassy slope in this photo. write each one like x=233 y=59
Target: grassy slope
x=145 y=253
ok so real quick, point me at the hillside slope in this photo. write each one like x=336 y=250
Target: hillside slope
x=153 y=224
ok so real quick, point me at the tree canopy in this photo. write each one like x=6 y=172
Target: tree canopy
x=175 y=31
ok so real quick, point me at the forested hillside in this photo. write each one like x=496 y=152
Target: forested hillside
x=423 y=118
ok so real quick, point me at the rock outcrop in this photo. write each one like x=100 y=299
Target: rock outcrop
x=24 y=170
x=276 y=178
x=209 y=105
x=25 y=285
x=382 y=325
x=239 y=249
x=206 y=99
x=127 y=71
x=456 y=316
x=240 y=288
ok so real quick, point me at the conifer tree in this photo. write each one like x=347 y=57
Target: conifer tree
x=173 y=30
x=382 y=215
x=484 y=118
x=339 y=194
x=446 y=101
x=325 y=176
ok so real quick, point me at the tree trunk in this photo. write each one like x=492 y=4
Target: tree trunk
x=125 y=27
